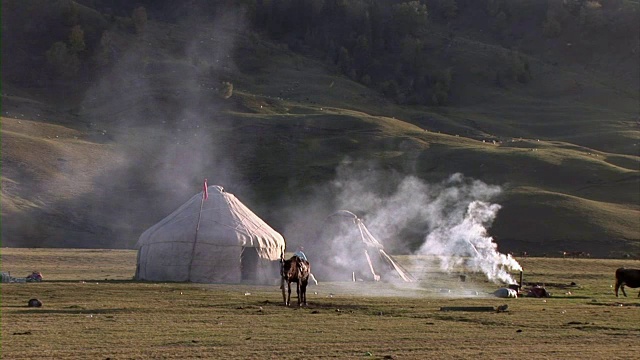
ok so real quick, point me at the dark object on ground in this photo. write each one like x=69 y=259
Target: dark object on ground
x=34 y=303
x=628 y=277
x=538 y=292
x=28 y=332
x=34 y=276
x=295 y=270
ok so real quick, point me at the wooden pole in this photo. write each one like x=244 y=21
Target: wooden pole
x=520 y=283
x=195 y=240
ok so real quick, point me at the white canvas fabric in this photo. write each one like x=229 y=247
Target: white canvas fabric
x=213 y=240
x=347 y=251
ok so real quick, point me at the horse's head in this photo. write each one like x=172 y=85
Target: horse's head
x=288 y=268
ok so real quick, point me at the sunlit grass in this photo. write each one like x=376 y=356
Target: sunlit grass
x=85 y=316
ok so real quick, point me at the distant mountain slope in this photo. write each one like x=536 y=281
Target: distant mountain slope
x=93 y=163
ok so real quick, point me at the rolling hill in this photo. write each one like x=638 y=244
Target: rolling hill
x=95 y=159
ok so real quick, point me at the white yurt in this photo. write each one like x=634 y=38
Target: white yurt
x=212 y=238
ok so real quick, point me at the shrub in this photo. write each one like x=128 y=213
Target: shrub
x=551 y=28
x=366 y=80
x=390 y=88
x=62 y=61
x=76 y=40
x=139 y=18
x=226 y=91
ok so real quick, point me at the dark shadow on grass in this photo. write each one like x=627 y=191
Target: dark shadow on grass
x=73 y=311
x=91 y=281
x=614 y=304
x=133 y=281
x=313 y=305
x=567 y=297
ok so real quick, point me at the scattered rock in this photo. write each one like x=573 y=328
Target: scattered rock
x=34 y=303
x=22 y=333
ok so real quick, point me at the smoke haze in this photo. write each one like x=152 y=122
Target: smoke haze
x=165 y=115
x=453 y=217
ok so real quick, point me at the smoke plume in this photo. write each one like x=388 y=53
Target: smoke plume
x=453 y=218
x=467 y=244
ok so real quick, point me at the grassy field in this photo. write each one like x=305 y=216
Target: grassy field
x=93 y=310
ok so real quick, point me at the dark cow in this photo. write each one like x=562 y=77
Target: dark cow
x=629 y=277
x=295 y=270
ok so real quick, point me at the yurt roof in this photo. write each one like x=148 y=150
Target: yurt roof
x=222 y=215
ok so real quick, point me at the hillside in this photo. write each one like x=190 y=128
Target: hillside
x=94 y=158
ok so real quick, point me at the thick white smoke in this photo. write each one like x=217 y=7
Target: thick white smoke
x=453 y=216
x=464 y=242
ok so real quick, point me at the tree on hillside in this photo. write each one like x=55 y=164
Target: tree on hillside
x=71 y=14
x=226 y=90
x=591 y=16
x=344 y=60
x=409 y=17
x=76 y=40
x=551 y=27
x=104 y=52
x=139 y=18
x=62 y=61
x=447 y=9
x=411 y=47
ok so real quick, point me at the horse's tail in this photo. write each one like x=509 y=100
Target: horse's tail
x=282 y=267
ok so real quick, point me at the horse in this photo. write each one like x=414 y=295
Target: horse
x=295 y=270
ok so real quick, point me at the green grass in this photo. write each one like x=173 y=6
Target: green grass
x=93 y=310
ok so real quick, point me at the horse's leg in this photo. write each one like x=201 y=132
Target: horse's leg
x=303 y=288
x=299 y=291
x=284 y=297
x=289 y=295
x=622 y=288
x=618 y=283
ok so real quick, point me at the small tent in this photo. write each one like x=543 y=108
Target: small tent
x=216 y=239
x=346 y=250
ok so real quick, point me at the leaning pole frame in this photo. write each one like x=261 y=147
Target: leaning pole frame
x=193 y=248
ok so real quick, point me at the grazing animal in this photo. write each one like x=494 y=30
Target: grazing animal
x=629 y=277
x=295 y=270
x=575 y=254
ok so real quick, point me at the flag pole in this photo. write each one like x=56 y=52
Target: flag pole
x=205 y=195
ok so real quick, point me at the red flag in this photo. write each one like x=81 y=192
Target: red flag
x=205 y=192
